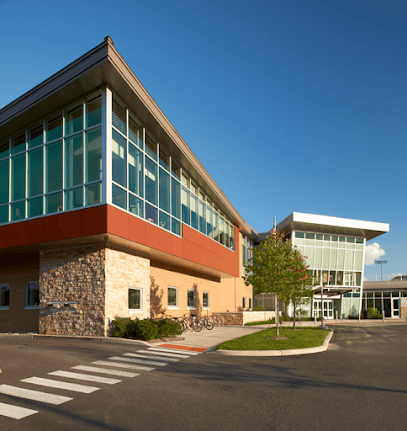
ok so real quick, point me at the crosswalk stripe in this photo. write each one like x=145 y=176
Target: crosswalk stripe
x=29 y=394
x=139 y=361
x=178 y=351
x=86 y=377
x=61 y=385
x=158 y=358
x=172 y=355
x=120 y=365
x=15 y=412
x=105 y=371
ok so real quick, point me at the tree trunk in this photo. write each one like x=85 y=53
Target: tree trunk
x=295 y=310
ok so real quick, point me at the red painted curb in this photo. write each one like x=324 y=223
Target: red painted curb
x=191 y=349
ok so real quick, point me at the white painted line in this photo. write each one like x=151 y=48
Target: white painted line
x=29 y=394
x=105 y=371
x=181 y=352
x=86 y=377
x=15 y=412
x=172 y=355
x=158 y=358
x=61 y=385
x=139 y=361
x=120 y=365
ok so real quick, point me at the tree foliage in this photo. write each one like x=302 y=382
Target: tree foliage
x=276 y=267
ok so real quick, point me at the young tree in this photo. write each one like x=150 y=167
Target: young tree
x=277 y=268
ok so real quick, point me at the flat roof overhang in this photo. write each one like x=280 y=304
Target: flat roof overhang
x=332 y=225
x=104 y=66
x=332 y=290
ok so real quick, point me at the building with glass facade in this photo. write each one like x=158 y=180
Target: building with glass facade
x=105 y=211
x=334 y=249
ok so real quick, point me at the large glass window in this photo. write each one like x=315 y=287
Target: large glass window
x=35 y=207
x=135 y=170
x=194 y=212
x=94 y=112
x=74 y=120
x=4 y=181
x=93 y=153
x=185 y=205
x=119 y=197
x=74 y=161
x=135 y=132
x=18 y=143
x=175 y=198
x=151 y=181
x=119 y=156
x=35 y=173
x=54 y=128
x=18 y=177
x=17 y=211
x=35 y=137
x=202 y=221
x=164 y=191
x=119 y=117
x=74 y=198
x=53 y=166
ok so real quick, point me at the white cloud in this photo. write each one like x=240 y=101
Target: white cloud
x=372 y=252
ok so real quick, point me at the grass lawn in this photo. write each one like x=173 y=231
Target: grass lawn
x=298 y=339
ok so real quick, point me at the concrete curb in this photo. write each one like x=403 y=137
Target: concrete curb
x=274 y=352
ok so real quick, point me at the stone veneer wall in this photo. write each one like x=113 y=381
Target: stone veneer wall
x=403 y=308
x=124 y=270
x=76 y=274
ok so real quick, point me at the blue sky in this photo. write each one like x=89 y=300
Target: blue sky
x=290 y=106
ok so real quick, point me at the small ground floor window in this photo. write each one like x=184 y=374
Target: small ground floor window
x=205 y=300
x=172 y=297
x=4 y=296
x=191 y=298
x=134 y=299
x=33 y=294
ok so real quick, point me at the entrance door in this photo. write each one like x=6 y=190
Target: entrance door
x=328 y=308
x=396 y=308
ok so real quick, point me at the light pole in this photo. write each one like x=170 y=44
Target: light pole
x=381 y=262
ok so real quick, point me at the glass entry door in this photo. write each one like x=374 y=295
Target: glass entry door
x=328 y=308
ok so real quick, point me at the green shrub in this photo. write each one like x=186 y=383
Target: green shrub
x=353 y=316
x=121 y=327
x=167 y=328
x=259 y=309
x=146 y=329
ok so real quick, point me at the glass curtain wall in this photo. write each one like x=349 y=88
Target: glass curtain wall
x=150 y=184
x=55 y=165
x=337 y=260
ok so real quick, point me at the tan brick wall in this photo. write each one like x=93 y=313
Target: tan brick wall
x=75 y=274
x=124 y=270
x=17 y=272
x=225 y=295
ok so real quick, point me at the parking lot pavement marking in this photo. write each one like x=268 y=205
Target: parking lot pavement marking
x=175 y=351
x=61 y=385
x=86 y=377
x=105 y=371
x=30 y=394
x=139 y=361
x=165 y=354
x=15 y=412
x=143 y=356
x=121 y=365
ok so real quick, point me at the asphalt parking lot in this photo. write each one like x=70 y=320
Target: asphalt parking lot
x=359 y=383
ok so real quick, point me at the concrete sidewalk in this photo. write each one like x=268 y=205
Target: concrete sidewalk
x=216 y=335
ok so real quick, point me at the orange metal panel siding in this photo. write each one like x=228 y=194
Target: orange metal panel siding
x=194 y=246
x=88 y=221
